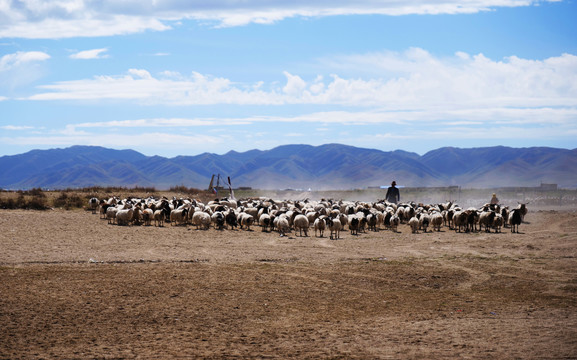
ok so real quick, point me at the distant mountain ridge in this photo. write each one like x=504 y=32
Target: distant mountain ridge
x=324 y=167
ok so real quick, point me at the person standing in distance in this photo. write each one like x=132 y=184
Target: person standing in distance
x=494 y=199
x=393 y=195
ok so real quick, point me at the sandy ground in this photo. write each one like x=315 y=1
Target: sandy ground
x=72 y=286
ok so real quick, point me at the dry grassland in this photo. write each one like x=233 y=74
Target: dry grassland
x=72 y=286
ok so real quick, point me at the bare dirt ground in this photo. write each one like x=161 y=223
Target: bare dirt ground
x=72 y=286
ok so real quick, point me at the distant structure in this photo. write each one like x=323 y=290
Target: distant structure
x=548 y=187
x=216 y=188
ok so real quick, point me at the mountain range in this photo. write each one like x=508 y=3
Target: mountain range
x=324 y=167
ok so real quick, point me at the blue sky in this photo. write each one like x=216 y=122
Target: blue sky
x=182 y=78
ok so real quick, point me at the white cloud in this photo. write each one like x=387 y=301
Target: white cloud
x=414 y=80
x=86 y=18
x=90 y=54
x=10 y=61
x=21 y=68
x=405 y=130
x=16 y=127
x=165 y=123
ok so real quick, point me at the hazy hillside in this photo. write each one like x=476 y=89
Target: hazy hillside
x=330 y=166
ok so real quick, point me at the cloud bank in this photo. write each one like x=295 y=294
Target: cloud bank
x=91 y=18
x=410 y=96
x=414 y=80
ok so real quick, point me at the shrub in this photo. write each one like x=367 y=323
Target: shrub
x=69 y=201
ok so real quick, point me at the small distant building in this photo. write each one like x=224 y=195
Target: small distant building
x=548 y=187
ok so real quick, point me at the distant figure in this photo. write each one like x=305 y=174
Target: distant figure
x=494 y=200
x=393 y=195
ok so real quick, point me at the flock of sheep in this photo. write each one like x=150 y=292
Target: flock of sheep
x=331 y=216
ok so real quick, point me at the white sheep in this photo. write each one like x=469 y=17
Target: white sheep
x=372 y=221
x=93 y=204
x=409 y=212
x=124 y=216
x=400 y=213
x=301 y=223
x=414 y=224
x=459 y=220
x=394 y=222
x=320 y=225
x=335 y=227
x=147 y=216
x=436 y=221
x=159 y=217
x=498 y=222
x=265 y=222
x=312 y=216
x=178 y=217
x=246 y=219
x=201 y=219
x=137 y=215
x=354 y=222
x=217 y=218
x=424 y=222
x=281 y=223
x=111 y=214
x=252 y=211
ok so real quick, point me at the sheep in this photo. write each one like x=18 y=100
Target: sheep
x=387 y=219
x=354 y=224
x=301 y=223
x=147 y=216
x=159 y=217
x=486 y=219
x=395 y=221
x=137 y=215
x=320 y=225
x=515 y=219
x=459 y=220
x=448 y=216
x=424 y=222
x=93 y=204
x=246 y=220
x=252 y=211
x=335 y=227
x=523 y=210
x=265 y=222
x=230 y=219
x=401 y=213
x=498 y=222
x=505 y=215
x=103 y=207
x=436 y=221
x=201 y=219
x=111 y=214
x=409 y=212
x=124 y=216
x=472 y=218
x=218 y=219
x=312 y=216
x=373 y=221
x=281 y=223
x=414 y=224
x=178 y=216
